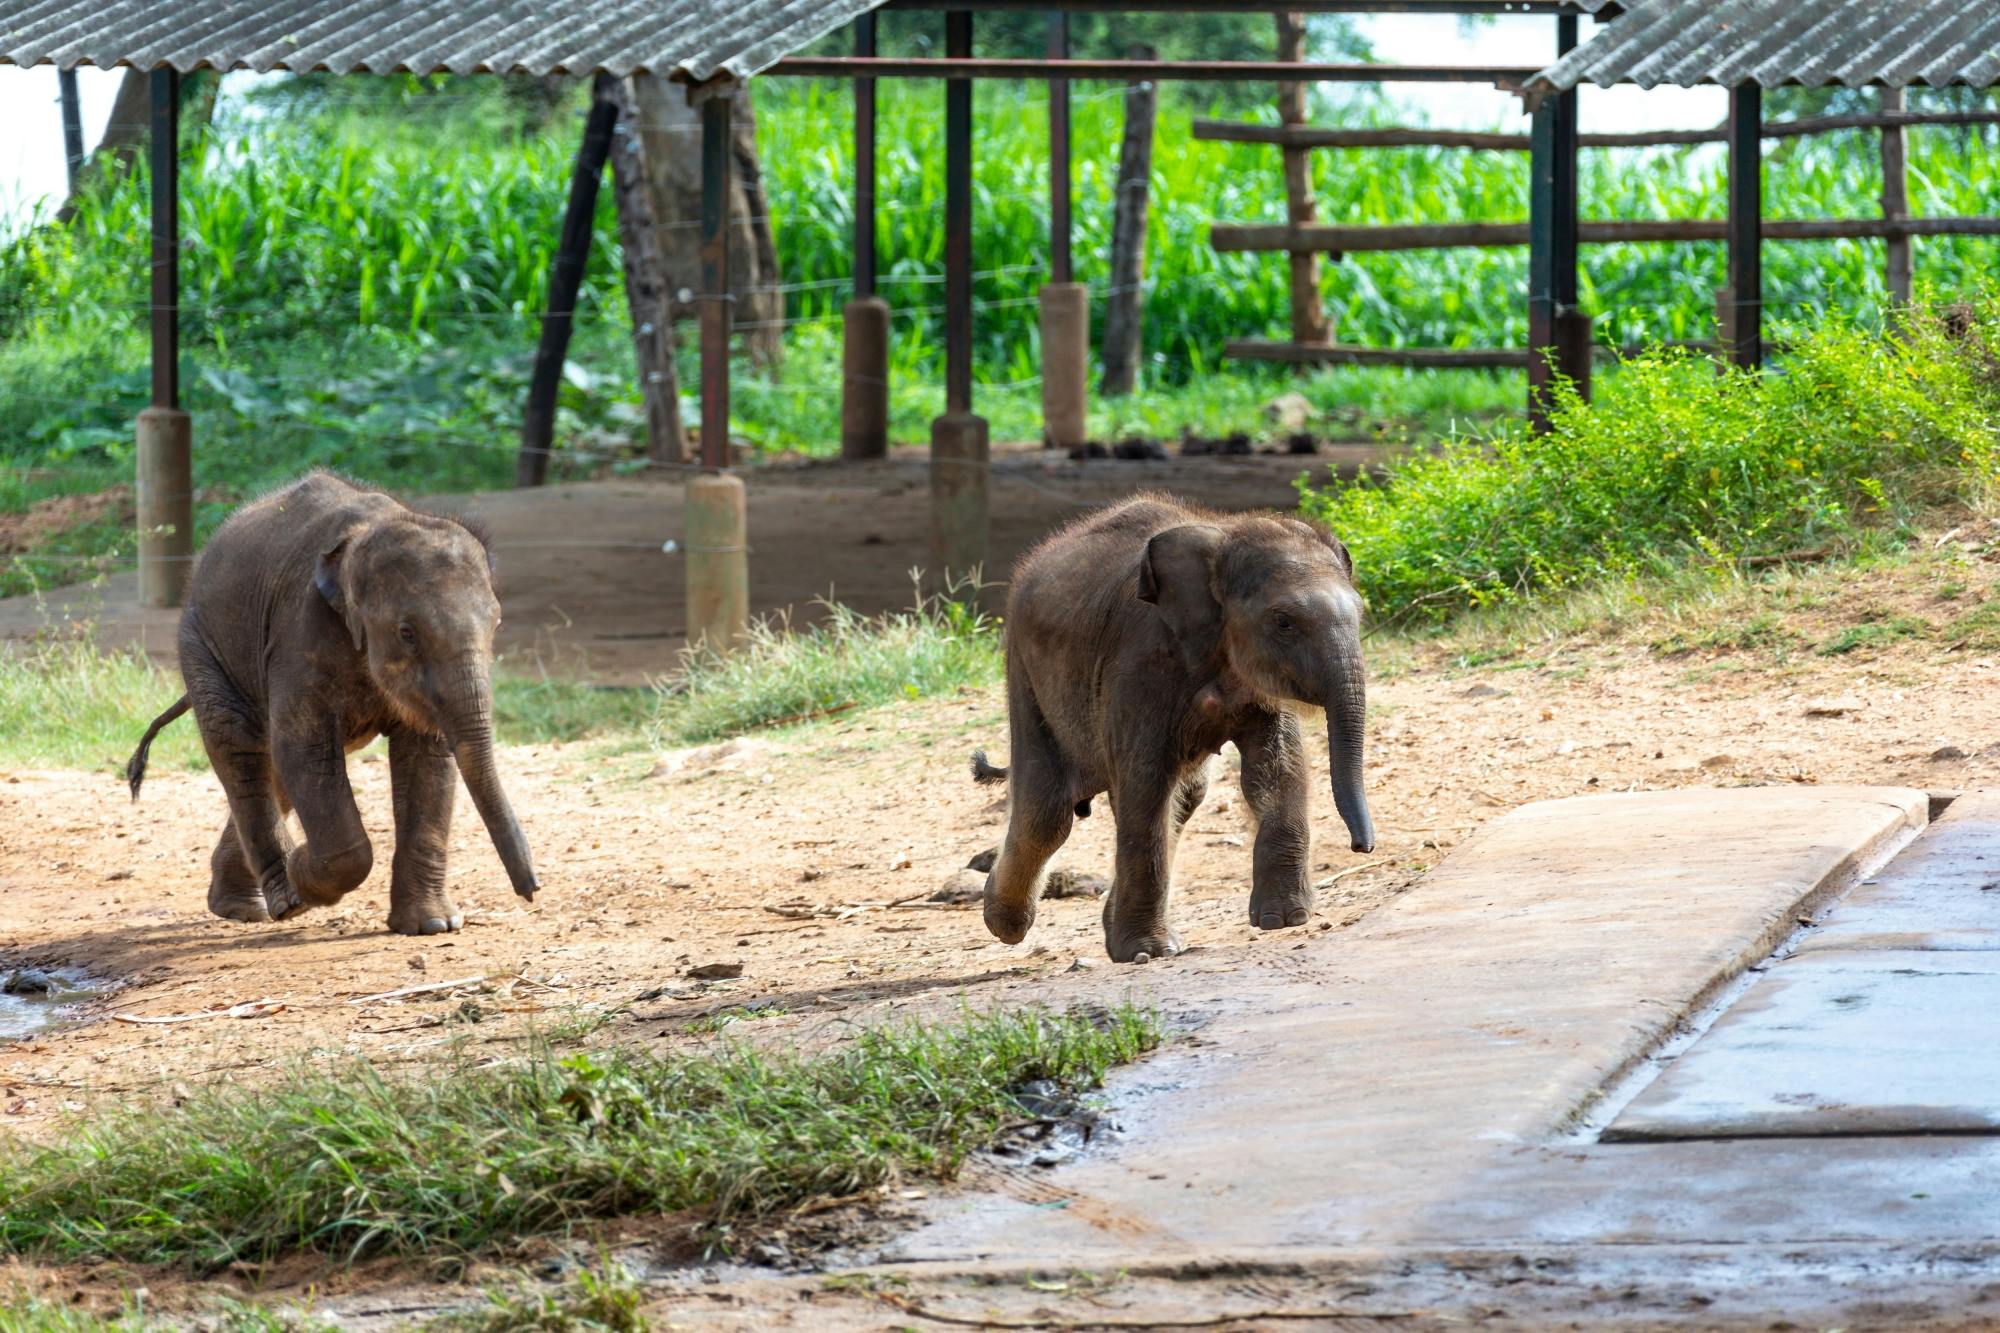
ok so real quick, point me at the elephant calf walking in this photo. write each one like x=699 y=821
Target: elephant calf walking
x=318 y=618
x=1138 y=641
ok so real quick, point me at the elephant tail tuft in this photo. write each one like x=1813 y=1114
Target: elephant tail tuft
x=135 y=767
x=984 y=773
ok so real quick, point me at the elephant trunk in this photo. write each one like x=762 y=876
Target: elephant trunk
x=470 y=718
x=1346 y=702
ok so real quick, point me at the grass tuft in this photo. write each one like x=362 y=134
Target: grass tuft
x=606 y=1301
x=353 y=1161
x=847 y=661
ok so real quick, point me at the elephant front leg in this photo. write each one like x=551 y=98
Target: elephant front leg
x=336 y=856
x=1275 y=789
x=1135 y=911
x=425 y=782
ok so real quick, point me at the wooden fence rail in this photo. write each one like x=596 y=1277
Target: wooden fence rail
x=1328 y=238
x=1313 y=136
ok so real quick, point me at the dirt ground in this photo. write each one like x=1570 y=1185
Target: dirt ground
x=806 y=856
x=592 y=591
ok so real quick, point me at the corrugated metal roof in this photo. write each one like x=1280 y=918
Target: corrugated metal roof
x=1681 y=43
x=693 y=39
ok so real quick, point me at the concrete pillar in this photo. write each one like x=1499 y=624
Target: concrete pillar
x=166 y=505
x=864 y=388
x=959 y=453
x=1065 y=364
x=718 y=561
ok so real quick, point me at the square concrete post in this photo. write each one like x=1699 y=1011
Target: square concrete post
x=959 y=449
x=1065 y=304
x=165 y=480
x=716 y=527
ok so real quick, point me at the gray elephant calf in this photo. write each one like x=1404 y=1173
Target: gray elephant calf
x=318 y=618
x=1140 y=640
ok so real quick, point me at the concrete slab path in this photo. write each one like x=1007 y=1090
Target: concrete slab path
x=1361 y=1095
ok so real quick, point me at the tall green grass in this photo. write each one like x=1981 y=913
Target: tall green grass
x=1675 y=463
x=349 y=1161
x=845 y=661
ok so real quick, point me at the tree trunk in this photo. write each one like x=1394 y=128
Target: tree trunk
x=1124 y=304
x=648 y=291
x=670 y=140
x=126 y=131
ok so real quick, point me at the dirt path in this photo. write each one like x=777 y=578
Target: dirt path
x=590 y=591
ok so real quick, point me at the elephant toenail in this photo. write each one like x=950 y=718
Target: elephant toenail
x=1142 y=957
x=1269 y=921
x=1297 y=916
x=435 y=925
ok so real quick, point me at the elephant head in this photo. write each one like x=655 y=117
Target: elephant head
x=415 y=593
x=1271 y=601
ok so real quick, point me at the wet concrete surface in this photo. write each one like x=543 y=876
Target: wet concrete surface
x=1878 y=1023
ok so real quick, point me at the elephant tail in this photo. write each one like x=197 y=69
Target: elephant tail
x=984 y=773
x=135 y=767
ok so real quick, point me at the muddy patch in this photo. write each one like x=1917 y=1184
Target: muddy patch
x=23 y=532
x=34 y=999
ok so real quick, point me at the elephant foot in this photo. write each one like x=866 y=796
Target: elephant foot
x=1009 y=922
x=1141 y=946
x=1139 y=941
x=1275 y=909
x=281 y=899
x=432 y=914
x=237 y=902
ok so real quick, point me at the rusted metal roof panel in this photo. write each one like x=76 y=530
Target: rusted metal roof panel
x=1815 y=43
x=690 y=39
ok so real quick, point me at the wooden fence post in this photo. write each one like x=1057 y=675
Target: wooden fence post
x=1746 y=225
x=1309 y=322
x=649 y=296
x=1556 y=345
x=1124 y=304
x=538 y=422
x=1895 y=201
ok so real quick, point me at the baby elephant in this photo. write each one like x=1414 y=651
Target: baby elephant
x=318 y=618
x=1138 y=641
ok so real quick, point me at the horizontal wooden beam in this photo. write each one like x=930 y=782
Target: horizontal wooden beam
x=1125 y=71
x=1313 y=136
x=1331 y=239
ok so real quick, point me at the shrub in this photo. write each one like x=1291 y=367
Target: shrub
x=1675 y=462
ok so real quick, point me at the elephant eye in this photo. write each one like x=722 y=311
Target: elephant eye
x=1282 y=622
x=407 y=633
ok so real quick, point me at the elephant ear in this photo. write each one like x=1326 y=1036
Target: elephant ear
x=1324 y=536
x=328 y=577
x=1177 y=574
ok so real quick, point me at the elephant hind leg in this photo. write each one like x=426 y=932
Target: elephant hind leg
x=234 y=891
x=1041 y=811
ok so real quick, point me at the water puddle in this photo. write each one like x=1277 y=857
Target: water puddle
x=35 y=999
